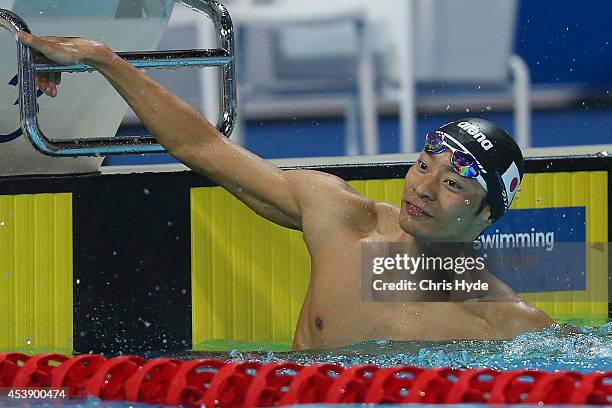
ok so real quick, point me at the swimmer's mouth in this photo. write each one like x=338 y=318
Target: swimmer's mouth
x=415 y=210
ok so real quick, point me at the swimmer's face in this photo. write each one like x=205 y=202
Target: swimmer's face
x=439 y=205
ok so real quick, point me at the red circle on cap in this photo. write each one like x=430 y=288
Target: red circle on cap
x=513 y=184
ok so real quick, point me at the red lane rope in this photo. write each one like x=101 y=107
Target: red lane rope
x=215 y=383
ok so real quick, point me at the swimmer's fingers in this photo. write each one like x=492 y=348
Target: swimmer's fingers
x=41 y=82
x=47 y=83
x=56 y=78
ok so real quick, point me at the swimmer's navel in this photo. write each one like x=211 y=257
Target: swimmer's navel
x=319 y=323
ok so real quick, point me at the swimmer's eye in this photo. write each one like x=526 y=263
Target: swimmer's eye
x=454 y=184
x=421 y=165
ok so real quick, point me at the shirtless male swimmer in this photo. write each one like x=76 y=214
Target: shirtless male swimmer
x=438 y=205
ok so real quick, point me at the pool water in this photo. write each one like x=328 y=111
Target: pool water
x=561 y=347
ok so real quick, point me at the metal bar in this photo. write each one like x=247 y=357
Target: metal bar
x=225 y=40
x=522 y=100
x=407 y=97
x=223 y=57
x=366 y=91
x=152 y=60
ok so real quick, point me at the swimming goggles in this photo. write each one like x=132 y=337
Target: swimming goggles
x=462 y=162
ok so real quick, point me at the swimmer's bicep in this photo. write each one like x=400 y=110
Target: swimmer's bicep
x=270 y=212
x=301 y=193
x=256 y=182
x=285 y=197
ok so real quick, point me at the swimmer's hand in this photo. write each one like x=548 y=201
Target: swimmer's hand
x=62 y=50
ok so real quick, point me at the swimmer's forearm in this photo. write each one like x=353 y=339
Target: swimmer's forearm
x=194 y=141
x=174 y=123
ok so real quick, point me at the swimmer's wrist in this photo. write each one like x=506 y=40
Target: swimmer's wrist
x=100 y=56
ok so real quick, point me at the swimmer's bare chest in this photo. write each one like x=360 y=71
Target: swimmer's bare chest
x=336 y=312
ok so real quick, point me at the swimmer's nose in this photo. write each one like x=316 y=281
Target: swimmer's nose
x=424 y=190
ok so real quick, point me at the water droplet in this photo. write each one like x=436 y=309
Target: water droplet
x=28 y=341
x=467 y=202
x=114 y=253
x=488 y=108
x=458 y=218
x=447 y=107
x=146 y=191
x=467 y=110
x=147 y=324
x=1 y=223
x=169 y=223
x=78 y=281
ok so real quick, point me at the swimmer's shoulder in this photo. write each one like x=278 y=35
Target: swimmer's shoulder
x=513 y=318
x=333 y=200
x=504 y=312
x=337 y=201
x=387 y=216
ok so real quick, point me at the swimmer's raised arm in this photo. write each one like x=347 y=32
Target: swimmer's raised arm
x=283 y=197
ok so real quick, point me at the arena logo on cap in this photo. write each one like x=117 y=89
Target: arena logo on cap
x=475 y=132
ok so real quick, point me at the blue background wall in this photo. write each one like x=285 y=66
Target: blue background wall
x=567 y=41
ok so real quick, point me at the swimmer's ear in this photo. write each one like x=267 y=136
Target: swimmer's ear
x=486 y=218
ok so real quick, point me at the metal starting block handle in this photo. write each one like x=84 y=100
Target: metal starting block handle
x=222 y=57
